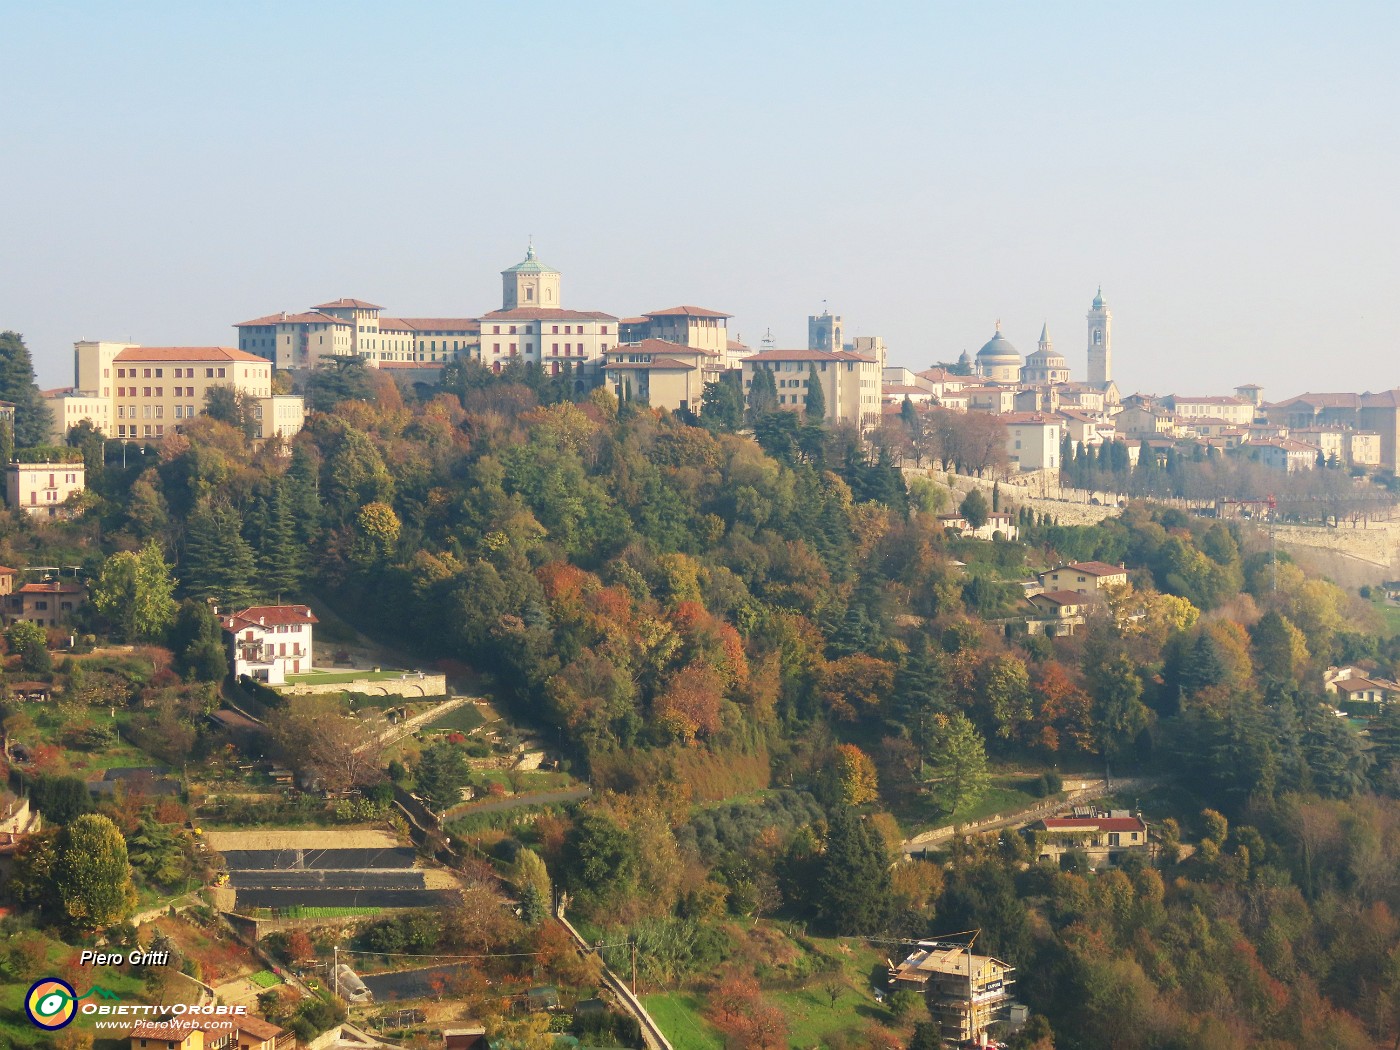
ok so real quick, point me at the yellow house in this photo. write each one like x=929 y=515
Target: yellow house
x=1085 y=577
x=663 y=374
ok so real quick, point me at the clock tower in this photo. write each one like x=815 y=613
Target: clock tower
x=1100 y=319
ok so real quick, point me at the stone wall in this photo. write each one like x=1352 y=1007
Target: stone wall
x=411 y=684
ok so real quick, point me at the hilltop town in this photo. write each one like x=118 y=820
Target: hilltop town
x=560 y=678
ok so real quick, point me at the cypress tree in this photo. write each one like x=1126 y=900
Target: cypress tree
x=816 y=396
x=218 y=562
x=279 y=556
x=303 y=496
x=33 y=420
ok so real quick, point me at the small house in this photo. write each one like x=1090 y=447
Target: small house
x=1104 y=838
x=269 y=642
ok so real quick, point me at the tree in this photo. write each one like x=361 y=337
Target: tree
x=441 y=774
x=91 y=875
x=280 y=557
x=926 y=1036
x=33 y=420
x=816 y=396
x=197 y=642
x=218 y=563
x=29 y=639
x=722 y=404
x=763 y=394
x=959 y=762
x=136 y=592
x=237 y=408
x=337 y=379
x=318 y=738
x=376 y=533
x=974 y=508
x=852 y=887
x=855 y=776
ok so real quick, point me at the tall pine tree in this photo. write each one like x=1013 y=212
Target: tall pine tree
x=33 y=420
x=816 y=396
x=218 y=562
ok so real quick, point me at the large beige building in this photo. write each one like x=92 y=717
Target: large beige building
x=850 y=382
x=1033 y=440
x=355 y=328
x=134 y=392
x=662 y=374
x=1231 y=409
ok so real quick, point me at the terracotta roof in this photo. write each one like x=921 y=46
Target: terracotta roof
x=187 y=353
x=263 y=322
x=809 y=355
x=1206 y=399
x=734 y=344
x=1320 y=401
x=270 y=615
x=52 y=587
x=346 y=304
x=1062 y=597
x=687 y=311
x=542 y=313
x=658 y=362
x=661 y=346
x=1094 y=824
x=257 y=1027
x=311 y=317
x=904 y=388
x=5 y=570
x=634 y=320
x=1029 y=419
x=1381 y=399
x=57 y=391
x=431 y=324
x=177 y=1028
x=1095 y=568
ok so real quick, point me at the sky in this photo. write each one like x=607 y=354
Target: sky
x=1227 y=172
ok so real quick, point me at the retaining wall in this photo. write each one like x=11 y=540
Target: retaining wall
x=411 y=685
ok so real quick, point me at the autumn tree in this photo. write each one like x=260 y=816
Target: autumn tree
x=317 y=737
x=855 y=776
x=91 y=875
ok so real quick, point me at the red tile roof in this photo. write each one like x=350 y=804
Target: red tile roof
x=187 y=353
x=52 y=587
x=1029 y=419
x=263 y=322
x=1095 y=568
x=346 y=304
x=661 y=346
x=1062 y=597
x=270 y=615
x=687 y=311
x=808 y=355
x=431 y=324
x=656 y=362
x=543 y=313
x=177 y=1029
x=257 y=1027
x=633 y=320
x=5 y=570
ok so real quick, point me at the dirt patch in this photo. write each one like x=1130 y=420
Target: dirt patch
x=318 y=838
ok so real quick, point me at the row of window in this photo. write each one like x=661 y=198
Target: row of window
x=554 y=329
x=155 y=391
x=134 y=433
x=179 y=373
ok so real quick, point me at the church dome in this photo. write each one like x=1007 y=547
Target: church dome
x=998 y=351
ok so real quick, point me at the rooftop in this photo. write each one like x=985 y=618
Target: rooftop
x=187 y=353
x=544 y=313
x=687 y=311
x=809 y=355
x=347 y=304
x=1095 y=568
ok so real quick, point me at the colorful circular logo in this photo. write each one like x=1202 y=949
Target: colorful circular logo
x=51 y=1003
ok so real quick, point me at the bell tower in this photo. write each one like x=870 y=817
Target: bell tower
x=1100 y=319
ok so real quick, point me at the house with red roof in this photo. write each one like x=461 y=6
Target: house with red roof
x=1103 y=837
x=268 y=642
x=1085 y=577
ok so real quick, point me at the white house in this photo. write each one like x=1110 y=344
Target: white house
x=269 y=642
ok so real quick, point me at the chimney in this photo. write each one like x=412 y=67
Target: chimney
x=262 y=621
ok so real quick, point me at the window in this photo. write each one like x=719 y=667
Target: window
x=208 y=373
x=555 y=331
x=146 y=374
x=221 y=373
x=160 y=373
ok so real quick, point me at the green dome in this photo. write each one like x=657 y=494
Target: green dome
x=1098 y=299
x=530 y=264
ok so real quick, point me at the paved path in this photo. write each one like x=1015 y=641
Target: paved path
x=1087 y=792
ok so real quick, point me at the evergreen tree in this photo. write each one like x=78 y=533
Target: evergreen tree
x=280 y=555
x=722 y=405
x=440 y=775
x=852 y=890
x=218 y=562
x=974 y=508
x=816 y=396
x=763 y=395
x=303 y=494
x=33 y=420
x=197 y=642
x=959 y=761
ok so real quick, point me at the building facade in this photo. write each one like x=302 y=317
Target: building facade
x=268 y=642
x=42 y=489
x=1033 y=441
x=661 y=374
x=850 y=382
x=1085 y=577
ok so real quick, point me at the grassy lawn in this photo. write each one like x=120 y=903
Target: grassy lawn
x=463 y=719
x=342 y=677
x=15 y=1029
x=1389 y=614
x=811 y=1015
x=51 y=722
x=1004 y=795
x=678 y=1014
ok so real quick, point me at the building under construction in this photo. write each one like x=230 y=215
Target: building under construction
x=966 y=992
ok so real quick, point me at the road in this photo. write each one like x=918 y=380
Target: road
x=1086 y=793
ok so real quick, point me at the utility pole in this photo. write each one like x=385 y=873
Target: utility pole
x=634 y=964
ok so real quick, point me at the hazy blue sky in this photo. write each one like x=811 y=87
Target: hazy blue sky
x=1228 y=171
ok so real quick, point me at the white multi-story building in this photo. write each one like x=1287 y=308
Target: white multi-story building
x=42 y=489
x=269 y=642
x=850 y=382
x=355 y=328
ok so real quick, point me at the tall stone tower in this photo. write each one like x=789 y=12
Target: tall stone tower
x=529 y=283
x=1100 y=342
x=825 y=332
